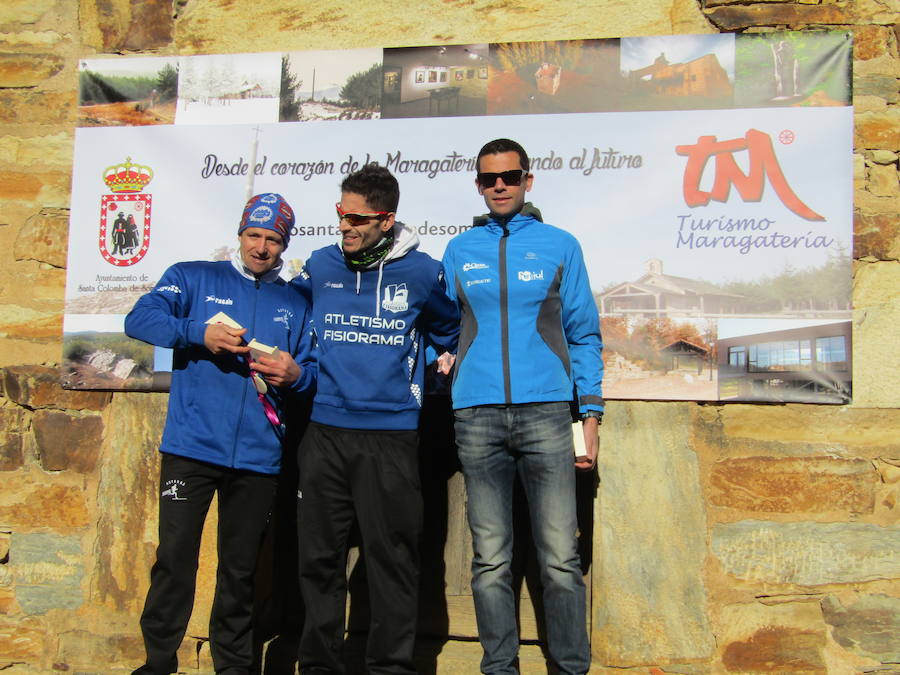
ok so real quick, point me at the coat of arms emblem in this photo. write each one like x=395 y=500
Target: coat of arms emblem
x=125 y=214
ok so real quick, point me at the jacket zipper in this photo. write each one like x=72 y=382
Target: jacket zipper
x=237 y=432
x=504 y=316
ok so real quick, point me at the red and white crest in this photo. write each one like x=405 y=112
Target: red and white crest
x=125 y=215
x=124 y=228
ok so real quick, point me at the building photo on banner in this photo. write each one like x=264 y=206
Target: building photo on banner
x=707 y=178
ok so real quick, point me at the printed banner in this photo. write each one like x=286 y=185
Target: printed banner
x=708 y=179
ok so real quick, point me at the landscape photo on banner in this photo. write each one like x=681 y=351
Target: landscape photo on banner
x=708 y=179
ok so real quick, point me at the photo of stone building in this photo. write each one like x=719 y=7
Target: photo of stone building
x=658 y=294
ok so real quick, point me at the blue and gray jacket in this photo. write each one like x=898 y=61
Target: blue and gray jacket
x=530 y=327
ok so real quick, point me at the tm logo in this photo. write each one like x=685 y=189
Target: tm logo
x=763 y=163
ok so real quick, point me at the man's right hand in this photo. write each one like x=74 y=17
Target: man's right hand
x=219 y=339
x=445 y=363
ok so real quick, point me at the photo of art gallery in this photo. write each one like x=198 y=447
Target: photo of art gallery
x=554 y=77
x=792 y=69
x=678 y=73
x=806 y=363
x=445 y=81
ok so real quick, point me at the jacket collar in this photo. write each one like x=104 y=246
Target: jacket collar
x=266 y=278
x=527 y=215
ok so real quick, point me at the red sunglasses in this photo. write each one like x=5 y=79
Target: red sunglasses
x=357 y=219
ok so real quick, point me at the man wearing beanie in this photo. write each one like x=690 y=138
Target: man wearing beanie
x=377 y=302
x=223 y=429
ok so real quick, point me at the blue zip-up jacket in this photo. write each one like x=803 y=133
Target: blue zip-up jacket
x=214 y=414
x=530 y=328
x=372 y=327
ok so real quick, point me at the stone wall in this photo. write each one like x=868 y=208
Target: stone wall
x=730 y=538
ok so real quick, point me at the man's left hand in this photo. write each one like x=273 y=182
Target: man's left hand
x=590 y=427
x=279 y=371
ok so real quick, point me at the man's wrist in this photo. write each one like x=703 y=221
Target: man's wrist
x=596 y=414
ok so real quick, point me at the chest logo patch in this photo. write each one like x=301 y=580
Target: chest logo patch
x=525 y=275
x=395 y=298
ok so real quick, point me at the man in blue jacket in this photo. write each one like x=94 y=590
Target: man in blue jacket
x=377 y=302
x=223 y=432
x=530 y=338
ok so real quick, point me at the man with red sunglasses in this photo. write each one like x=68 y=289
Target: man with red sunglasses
x=530 y=338
x=377 y=302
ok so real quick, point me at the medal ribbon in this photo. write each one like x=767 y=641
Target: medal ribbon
x=260 y=385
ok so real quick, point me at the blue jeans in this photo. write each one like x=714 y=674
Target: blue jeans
x=533 y=441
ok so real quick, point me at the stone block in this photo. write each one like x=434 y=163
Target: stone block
x=784 y=638
x=649 y=595
x=49 y=570
x=883 y=87
x=876 y=236
x=883 y=181
x=196 y=653
x=48 y=287
x=38 y=106
x=725 y=3
x=869 y=627
x=875 y=285
x=792 y=429
x=28 y=70
x=44 y=237
x=883 y=157
x=795 y=485
x=116 y=25
x=859 y=172
x=198 y=625
x=25 y=323
x=806 y=553
x=868 y=103
x=889 y=471
x=18 y=185
x=875 y=331
x=51 y=150
x=22 y=640
x=24 y=11
x=776 y=649
x=875 y=12
x=220 y=27
x=67 y=441
x=37 y=506
x=870 y=42
x=33 y=40
x=86 y=650
x=9 y=149
x=879 y=130
x=8 y=604
x=735 y=17
x=38 y=387
x=12 y=455
x=128 y=497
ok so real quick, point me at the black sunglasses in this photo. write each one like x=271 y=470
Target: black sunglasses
x=512 y=177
